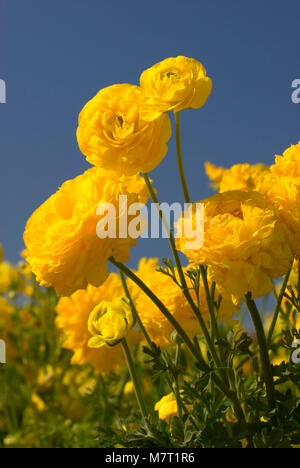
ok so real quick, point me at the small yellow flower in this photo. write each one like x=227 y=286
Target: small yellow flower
x=63 y=248
x=167 y=406
x=109 y=322
x=112 y=133
x=245 y=244
x=176 y=83
x=38 y=403
x=129 y=388
x=244 y=177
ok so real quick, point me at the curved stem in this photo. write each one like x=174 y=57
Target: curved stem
x=134 y=379
x=277 y=308
x=210 y=303
x=179 y=159
x=135 y=312
x=261 y=338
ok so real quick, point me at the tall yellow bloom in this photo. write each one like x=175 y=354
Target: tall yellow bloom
x=285 y=191
x=73 y=315
x=63 y=248
x=245 y=244
x=245 y=177
x=176 y=83
x=113 y=135
x=158 y=327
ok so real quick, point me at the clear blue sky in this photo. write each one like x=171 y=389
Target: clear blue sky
x=56 y=54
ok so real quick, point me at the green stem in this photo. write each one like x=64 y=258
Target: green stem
x=210 y=303
x=265 y=359
x=182 y=278
x=179 y=159
x=277 y=308
x=150 y=344
x=135 y=312
x=178 y=398
x=177 y=388
x=134 y=379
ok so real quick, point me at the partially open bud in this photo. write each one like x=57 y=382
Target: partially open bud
x=176 y=338
x=109 y=322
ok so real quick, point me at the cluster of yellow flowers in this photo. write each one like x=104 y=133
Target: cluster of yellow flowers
x=123 y=131
x=251 y=228
x=114 y=134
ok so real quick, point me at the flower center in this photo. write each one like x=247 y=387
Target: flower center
x=170 y=75
x=121 y=120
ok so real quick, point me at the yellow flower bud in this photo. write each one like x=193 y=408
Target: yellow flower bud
x=109 y=322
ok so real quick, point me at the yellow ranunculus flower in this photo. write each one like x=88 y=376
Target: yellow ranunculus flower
x=176 y=83
x=245 y=243
x=72 y=318
x=158 y=327
x=109 y=322
x=167 y=406
x=285 y=191
x=63 y=248
x=244 y=177
x=113 y=135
